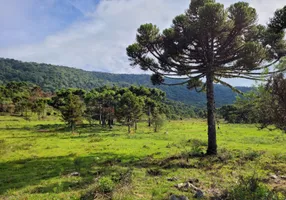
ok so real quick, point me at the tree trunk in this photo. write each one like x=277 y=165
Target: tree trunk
x=103 y=121
x=72 y=126
x=90 y=121
x=129 y=125
x=212 y=146
x=135 y=125
x=100 y=120
x=110 y=123
x=149 y=116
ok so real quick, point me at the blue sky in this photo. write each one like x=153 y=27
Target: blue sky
x=90 y=34
x=31 y=21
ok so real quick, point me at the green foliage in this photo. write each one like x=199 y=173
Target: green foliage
x=210 y=42
x=177 y=110
x=272 y=103
x=105 y=104
x=158 y=122
x=197 y=147
x=244 y=110
x=78 y=164
x=251 y=188
x=21 y=98
x=52 y=78
x=265 y=105
x=106 y=184
x=278 y=22
x=39 y=107
x=130 y=109
x=71 y=106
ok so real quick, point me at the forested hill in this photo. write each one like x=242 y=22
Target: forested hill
x=52 y=77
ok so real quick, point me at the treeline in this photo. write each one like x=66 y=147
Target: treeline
x=103 y=105
x=52 y=78
x=22 y=98
x=266 y=105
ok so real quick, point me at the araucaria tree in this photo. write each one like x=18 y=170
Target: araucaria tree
x=272 y=103
x=272 y=100
x=278 y=22
x=130 y=109
x=72 y=112
x=69 y=102
x=209 y=43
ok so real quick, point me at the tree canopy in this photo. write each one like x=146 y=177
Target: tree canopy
x=272 y=103
x=211 y=42
x=278 y=22
x=52 y=78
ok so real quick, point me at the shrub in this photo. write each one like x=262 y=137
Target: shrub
x=225 y=155
x=252 y=188
x=252 y=155
x=196 y=151
x=197 y=142
x=154 y=172
x=77 y=163
x=106 y=185
x=197 y=147
x=158 y=122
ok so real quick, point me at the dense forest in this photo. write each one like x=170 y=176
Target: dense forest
x=52 y=77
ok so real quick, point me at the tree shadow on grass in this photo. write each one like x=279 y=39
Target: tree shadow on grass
x=30 y=172
x=62 y=186
x=21 y=173
x=51 y=128
x=62 y=128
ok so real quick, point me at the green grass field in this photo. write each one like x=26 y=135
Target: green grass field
x=38 y=157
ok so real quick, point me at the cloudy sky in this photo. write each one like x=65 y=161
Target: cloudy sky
x=90 y=34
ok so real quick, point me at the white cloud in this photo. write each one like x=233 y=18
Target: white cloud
x=266 y=8
x=98 y=42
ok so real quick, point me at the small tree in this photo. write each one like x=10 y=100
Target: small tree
x=92 y=106
x=129 y=109
x=39 y=107
x=272 y=103
x=72 y=112
x=158 y=120
x=22 y=105
x=210 y=42
x=244 y=109
x=69 y=103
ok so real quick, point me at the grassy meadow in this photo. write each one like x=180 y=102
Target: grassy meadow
x=37 y=159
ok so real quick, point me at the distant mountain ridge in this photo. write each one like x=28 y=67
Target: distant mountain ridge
x=53 y=77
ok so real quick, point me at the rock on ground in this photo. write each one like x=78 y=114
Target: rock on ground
x=175 y=197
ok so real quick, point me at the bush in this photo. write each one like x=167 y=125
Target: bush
x=106 y=185
x=77 y=163
x=197 y=147
x=252 y=188
x=252 y=155
x=158 y=121
x=196 y=151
